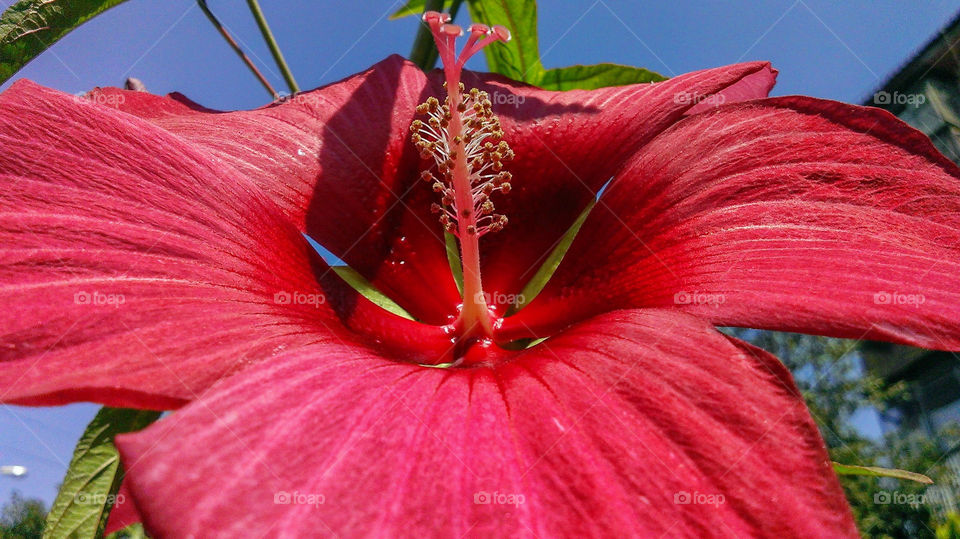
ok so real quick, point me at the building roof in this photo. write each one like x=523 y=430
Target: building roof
x=939 y=57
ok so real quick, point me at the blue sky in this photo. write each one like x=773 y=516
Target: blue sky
x=835 y=50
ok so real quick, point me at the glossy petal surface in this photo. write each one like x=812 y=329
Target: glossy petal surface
x=792 y=214
x=569 y=144
x=606 y=430
x=338 y=162
x=137 y=277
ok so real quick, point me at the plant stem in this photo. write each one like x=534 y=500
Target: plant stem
x=272 y=44
x=236 y=48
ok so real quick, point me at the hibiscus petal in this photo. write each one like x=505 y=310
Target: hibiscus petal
x=338 y=161
x=568 y=144
x=605 y=430
x=124 y=511
x=793 y=214
x=754 y=86
x=135 y=271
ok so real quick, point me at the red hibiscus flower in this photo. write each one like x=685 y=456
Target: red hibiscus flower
x=154 y=256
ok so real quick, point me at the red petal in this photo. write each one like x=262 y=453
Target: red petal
x=754 y=86
x=601 y=430
x=792 y=214
x=136 y=271
x=124 y=511
x=569 y=144
x=338 y=161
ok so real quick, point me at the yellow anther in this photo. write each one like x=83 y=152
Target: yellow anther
x=435 y=139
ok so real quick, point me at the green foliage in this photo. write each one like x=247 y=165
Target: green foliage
x=835 y=387
x=875 y=471
x=362 y=285
x=416 y=7
x=133 y=531
x=22 y=518
x=550 y=265
x=950 y=528
x=520 y=58
x=94 y=475
x=453 y=258
x=590 y=77
x=891 y=508
x=28 y=27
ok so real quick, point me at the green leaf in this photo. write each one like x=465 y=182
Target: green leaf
x=133 y=531
x=362 y=285
x=849 y=469
x=549 y=266
x=591 y=77
x=453 y=257
x=28 y=27
x=518 y=59
x=415 y=7
x=94 y=476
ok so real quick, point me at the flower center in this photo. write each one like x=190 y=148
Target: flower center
x=463 y=138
